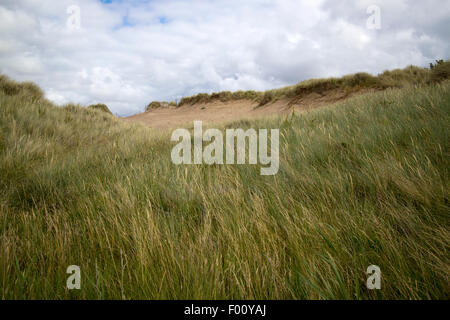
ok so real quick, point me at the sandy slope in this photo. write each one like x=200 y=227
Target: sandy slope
x=223 y=112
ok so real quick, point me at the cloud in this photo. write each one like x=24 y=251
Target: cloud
x=128 y=53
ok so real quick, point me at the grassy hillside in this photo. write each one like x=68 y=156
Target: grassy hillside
x=397 y=78
x=361 y=182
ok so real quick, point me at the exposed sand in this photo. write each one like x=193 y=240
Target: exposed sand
x=224 y=112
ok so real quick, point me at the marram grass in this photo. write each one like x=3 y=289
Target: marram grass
x=361 y=182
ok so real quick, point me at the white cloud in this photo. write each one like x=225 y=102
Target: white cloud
x=55 y=96
x=128 y=53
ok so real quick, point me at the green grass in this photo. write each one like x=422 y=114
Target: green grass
x=362 y=182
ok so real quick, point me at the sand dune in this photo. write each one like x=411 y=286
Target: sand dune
x=223 y=112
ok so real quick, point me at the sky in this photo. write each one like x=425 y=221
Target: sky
x=128 y=53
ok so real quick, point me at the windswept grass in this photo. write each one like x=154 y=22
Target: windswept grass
x=27 y=90
x=361 y=182
x=398 y=78
x=101 y=107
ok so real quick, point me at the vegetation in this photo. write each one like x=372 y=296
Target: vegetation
x=398 y=78
x=153 y=105
x=440 y=71
x=101 y=107
x=28 y=90
x=438 y=62
x=362 y=182
x=157 y=104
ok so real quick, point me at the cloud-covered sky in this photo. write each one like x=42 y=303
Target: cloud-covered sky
x=128 y=53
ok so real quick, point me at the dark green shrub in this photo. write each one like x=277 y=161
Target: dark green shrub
x=438 y=62
x=440 y=71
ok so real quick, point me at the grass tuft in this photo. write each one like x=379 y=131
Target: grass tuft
x=100 y=106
